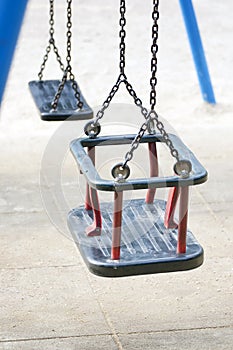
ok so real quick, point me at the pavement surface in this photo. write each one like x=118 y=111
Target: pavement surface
x=48 y=299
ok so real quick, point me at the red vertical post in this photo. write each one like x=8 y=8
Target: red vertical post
x=88 y=198
x=116 y=227
x=154 y=170
x=91 y=154
x=95 y=228
x=92 y=203
x=173 y=196
x=183 y=219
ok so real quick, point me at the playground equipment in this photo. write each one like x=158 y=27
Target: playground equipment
x=138 y=236
x=59 y=99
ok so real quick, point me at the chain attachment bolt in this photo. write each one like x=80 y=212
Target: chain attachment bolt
x=92 y=129
x=120 y=172
x=151 y=127
x=183 y=168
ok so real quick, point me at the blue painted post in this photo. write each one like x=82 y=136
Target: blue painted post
x=11 y=16
x=197 y=50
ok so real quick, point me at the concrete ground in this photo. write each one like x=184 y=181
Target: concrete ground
x=48 y=299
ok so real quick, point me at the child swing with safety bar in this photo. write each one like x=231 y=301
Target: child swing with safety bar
x=139 y=236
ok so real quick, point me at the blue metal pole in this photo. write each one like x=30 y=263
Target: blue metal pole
x=197 y=50
x=11 y=16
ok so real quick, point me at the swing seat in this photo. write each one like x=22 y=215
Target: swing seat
x=43 y=93
x=145 y=245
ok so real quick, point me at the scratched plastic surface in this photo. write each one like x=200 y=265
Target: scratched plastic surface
x=43 y=93
x=146 y=245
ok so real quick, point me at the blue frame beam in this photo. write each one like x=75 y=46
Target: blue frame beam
x=11 y=17
x=197 y=50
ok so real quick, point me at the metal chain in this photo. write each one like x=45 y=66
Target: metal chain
x=122 y=77
x=106 y=103
x=51 y=43
x=137 y=101
x=152 y=116
x=153 y=82
x=122 y=35
x=68 y=71
x=160 y=126
x=135 y=143
x=154 y=51
x=92 y=126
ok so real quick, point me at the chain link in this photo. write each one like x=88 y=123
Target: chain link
x=51 y=43
x=68 y=71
